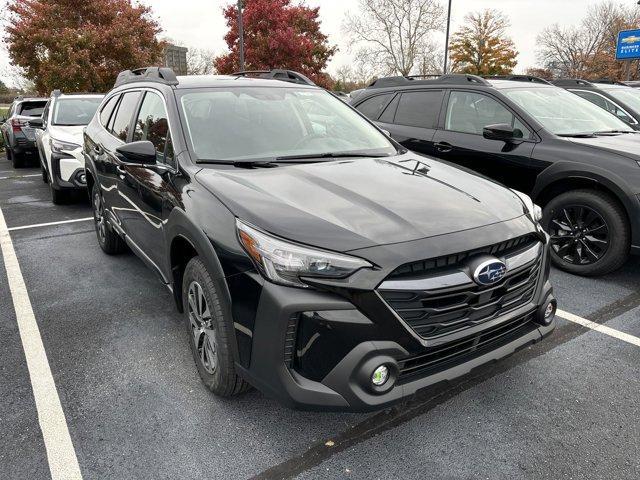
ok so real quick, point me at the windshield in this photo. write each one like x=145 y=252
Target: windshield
x=251 y=123
x=564 y=113
x=630 y=96
x=75 y=111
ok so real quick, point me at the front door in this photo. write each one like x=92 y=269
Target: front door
x=461 y=140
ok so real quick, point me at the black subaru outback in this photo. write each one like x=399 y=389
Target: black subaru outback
x=581 y=163
x=312 y=256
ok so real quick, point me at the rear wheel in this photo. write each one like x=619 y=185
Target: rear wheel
x=589 y=232
x=110 y=242
x=210 y=333
x=16 y=159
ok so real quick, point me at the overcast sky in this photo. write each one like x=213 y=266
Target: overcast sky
x=199 y=23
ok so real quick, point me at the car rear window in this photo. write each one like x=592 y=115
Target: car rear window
x=31 y=109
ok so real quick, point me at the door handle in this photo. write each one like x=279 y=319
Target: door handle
x=443 y=147
x=121 y=171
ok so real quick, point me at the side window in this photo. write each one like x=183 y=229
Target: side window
x=419 y=109
x=123 y=115
x=469 y=112
x=152 y=125
x=605 y=103
x=390 y=112
x=372 y=107
x=45 y=114
x=107 y=110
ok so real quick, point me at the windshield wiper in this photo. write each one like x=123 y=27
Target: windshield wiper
x=240 y=163
x=577 y=135
x=604 y=132
x=329 y=155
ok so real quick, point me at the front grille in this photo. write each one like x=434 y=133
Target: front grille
x=449 y=355
x=448 y=261
x=434 y=313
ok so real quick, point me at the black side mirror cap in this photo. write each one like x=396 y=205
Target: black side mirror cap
x=36 y=123
x=138 y=153
x=503 y=132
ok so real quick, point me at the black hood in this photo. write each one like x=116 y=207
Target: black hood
x=346 y=205
x=626 y=144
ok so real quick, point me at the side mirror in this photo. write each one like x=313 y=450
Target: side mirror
x=138 y=153
x=36 y=123
x=503 y=132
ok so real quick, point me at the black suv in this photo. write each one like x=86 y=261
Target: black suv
x=19 y=136
x=578 y=161
x=619 y=99
x=313 y=257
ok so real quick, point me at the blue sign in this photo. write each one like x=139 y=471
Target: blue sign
x=628 y=45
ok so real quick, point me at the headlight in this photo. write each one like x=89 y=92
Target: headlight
x=284 y=263
x=58 y=146
x=532 y=209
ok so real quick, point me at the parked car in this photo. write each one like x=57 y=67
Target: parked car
x=616 y=98
x=579 y=162
x=19 y=137
x=312 y=257
x=59 y=141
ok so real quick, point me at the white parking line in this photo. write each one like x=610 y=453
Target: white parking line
x=48 y=224
x=20 y=176
x=63 y=463
x=612 y=332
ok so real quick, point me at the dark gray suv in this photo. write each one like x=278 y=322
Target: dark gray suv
x=19 y=137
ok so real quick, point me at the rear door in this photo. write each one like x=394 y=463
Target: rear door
x=412 y=118
x=460 y=139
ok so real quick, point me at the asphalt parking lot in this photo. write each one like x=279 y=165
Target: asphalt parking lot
x=134 y=405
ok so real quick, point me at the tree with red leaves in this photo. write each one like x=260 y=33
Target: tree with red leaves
x=277 y=34
x=80 y=45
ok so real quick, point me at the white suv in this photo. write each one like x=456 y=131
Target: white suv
x=59 y=139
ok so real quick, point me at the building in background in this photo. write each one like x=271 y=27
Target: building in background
x=176 y=58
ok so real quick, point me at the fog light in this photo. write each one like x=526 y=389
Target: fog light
x=83 y=178
x=549 y=311
x=380 y=376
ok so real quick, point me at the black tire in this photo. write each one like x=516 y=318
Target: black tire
x=58 y=197
x=600 y=231
x=110 y=242
x=210 y=336
x=45 y=175
x=9 y=154
x=17 y=160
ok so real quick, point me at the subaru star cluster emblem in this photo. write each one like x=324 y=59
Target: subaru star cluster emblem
x=489 y=272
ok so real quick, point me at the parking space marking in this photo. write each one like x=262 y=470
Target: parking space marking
x=63 y=463
x=612 y=332
x=48 y=224
x=20 y=176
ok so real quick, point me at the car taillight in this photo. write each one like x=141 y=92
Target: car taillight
x=16 y=124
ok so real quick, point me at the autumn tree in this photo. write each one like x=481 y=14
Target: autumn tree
x=80 y=46
x=394 y=36
x=481 y=46
x=588 y=49
x=200 y=61
x=277 y=34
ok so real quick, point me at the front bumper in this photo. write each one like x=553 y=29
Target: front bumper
x=67 y=171
x=316 y=350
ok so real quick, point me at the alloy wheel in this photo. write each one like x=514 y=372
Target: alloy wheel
x=202 y=330
x=98 y=214
x=579 y=234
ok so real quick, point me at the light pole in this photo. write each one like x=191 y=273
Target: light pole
x=446 y=41
x=241 y=33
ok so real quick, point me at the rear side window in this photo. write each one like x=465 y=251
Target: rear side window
x=31 y=109
x=107 y=110
x=372 y=107
x=419 y=109
x=152 y=125
x=605 y=103
x=122 y=120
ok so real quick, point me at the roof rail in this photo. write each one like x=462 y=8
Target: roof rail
x=518 y=78
x=148 y=74
x=608 y=81
x=276 y=74
x=56 y=93
x=572 y=82
x=448 y=79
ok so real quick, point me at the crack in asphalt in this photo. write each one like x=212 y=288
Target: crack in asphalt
x=423 y=403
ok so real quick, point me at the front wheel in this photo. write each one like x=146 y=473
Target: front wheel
x=589 y=231
x=110 y=242
x=210 y=333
